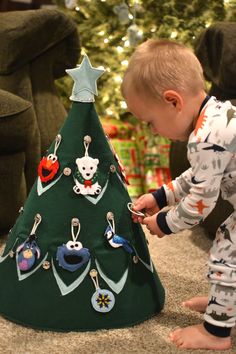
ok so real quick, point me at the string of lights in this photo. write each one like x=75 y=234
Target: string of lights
x=111 y=29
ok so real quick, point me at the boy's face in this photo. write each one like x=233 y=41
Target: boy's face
x=163 y=117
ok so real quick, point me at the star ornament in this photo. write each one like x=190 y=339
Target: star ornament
x=85 y=81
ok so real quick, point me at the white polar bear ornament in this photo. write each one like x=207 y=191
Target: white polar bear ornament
x=86 y=176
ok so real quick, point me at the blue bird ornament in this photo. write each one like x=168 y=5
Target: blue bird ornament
x=117 y=241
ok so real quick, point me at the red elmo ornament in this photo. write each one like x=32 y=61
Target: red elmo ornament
x=48 y=168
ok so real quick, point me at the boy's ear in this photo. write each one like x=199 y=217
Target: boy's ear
x=171 y=96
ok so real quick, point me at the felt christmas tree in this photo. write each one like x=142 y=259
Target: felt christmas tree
x=74 y=259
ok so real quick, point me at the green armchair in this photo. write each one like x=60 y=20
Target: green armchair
x=36 y=47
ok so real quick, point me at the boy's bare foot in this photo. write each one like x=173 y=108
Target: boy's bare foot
x=196 y=337
x=198 y=304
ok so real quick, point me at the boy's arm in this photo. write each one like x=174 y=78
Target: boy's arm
x=208 y=164
x=171 y=193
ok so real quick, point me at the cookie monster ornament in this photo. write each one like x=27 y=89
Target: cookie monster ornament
x=72 y=255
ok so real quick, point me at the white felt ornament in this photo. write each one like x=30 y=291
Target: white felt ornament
x=102 y=300
x=86 y=173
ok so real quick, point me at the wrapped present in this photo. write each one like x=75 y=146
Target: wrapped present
x=156 y=153
x=115 y=128
x=128 y=153
x=145 y=158
x=156 y=177
x=156 y=163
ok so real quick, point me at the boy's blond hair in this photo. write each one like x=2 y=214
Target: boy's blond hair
x=160 y=65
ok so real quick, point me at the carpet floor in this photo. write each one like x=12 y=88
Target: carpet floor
x=181 y=264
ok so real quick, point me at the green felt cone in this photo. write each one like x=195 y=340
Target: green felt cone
x=47 y=295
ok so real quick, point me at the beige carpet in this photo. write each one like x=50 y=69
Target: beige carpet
x=180 y=261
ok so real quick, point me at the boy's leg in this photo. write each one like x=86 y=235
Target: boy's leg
x=221 y=308
x=220 y=314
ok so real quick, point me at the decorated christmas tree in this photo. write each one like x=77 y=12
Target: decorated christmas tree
x=74 y=259
x=109 y=32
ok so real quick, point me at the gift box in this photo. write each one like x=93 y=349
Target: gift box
x=128 y=153
x=115 y=128
x=145 y=158
x=155 y=167
x=156 y=177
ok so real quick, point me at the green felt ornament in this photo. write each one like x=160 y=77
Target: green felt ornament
x=49 y=296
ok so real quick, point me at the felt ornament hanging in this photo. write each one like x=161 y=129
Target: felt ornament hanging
x=86 y=174
x=102 y=300
x=49 y=165
x=114 y=240
x=72 y=255
x=28 y=252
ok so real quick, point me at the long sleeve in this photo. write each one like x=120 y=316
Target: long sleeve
x=171 y=193
x=199 y=188
x=179 y=187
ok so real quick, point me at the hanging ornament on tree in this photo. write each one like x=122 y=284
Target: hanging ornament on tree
x=102 y=300
x=70 y=4
x=72 y=255
x=135 y=35
x=122 y=11
x=28 y=252
x=86 y=175
x=49 y=165
x=114 y=240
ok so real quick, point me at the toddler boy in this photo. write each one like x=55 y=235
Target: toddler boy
x=164 y=87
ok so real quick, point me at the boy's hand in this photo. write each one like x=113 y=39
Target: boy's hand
x=151 y=224
x=146 y=203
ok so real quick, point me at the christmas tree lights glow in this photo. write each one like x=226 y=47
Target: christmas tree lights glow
x=110 y=30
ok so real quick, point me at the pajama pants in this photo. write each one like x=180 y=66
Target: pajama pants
x=220 y=315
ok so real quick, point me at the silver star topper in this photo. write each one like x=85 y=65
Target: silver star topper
x=85 y=81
